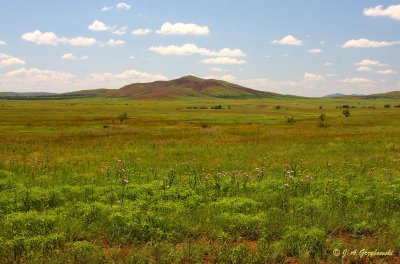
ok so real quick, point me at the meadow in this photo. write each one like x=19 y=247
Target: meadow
x=285 y=180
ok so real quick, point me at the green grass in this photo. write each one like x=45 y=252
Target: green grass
x=248 y=187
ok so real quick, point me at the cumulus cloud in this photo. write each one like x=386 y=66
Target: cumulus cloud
x=81 y=41
x=392 y=11
x=7 y=60
x=123 y=6
x=46 y=38
x=141 y=31
x=70 y=56
x=38 y=74
x=357 y=80
x=2 y=43
x=121 y=31
x=34 y=79
x=106 y=8
x=313 y=77
x=366 y=43
x=386 y=72
x=223 y=60
x=315 y=51
x=115 y=43
x=49 y=38
x=226 y=77
x=288 y=40
x=123 y=78
x=367 y=62
x=191 y=49
x=364 y=69
x=98 y=26
x=183 y=29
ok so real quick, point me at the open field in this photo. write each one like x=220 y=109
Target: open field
x=175 y=184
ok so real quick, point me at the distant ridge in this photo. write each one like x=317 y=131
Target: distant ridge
x=188 y=86
x=389 y=95
x=14 y=94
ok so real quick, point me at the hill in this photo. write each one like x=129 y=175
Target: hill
x=392 y=95
x=33 y=94
x=189 y=86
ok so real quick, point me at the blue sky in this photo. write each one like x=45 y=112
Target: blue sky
x=309 y=48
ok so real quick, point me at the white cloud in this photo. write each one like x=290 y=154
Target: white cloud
x=98 y=26
x=223 y=60
x=226 y=77
x=367 y=62
x=315 y=51
x=123 y=78
x=132 y=57
x=38 y=75
x=81 y=41
x=392 y=11
x=115 y=43
x=357 y=80
x=34 y=79
x=364 y=69
x=328 y=63
x=330 y=75
x=216 y=69
x=49 y=38
x=46 y=38
x=313 y=77
x=7 y=60
x=106 y=8
x=70 y=56
x=123 y=6
x=386 y=72
x=2 y=43
x=121 y=31
x=191 y=49
x=141 y=31
x=183 y=29
x=365 y=43
x=289 y=40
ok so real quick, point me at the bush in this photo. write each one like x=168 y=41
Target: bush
x=305 y=243
x=122 y=117
x=387 y=105
x=290 y=119
x=346 y=112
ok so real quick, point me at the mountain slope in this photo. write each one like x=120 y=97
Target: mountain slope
x=188 y=86
x=393 y=94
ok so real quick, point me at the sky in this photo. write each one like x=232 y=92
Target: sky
x=308 y=48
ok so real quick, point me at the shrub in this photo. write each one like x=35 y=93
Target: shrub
x=290 y=119
x=387 y=105
x=305 y=243
x=346 y=112
x=122 y=117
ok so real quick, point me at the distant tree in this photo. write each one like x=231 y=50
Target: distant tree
x=387 y=105
x=122 y=117
x=346 y=112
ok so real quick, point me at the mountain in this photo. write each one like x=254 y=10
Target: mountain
x=189 y=86
x=342 y=95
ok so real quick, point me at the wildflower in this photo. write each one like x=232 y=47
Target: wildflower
x=286 y=186
x=291 y=177
x=125 y=181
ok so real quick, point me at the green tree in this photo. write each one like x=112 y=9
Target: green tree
x=122 y=117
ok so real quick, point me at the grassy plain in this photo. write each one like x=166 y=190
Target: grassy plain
x=178 y=185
